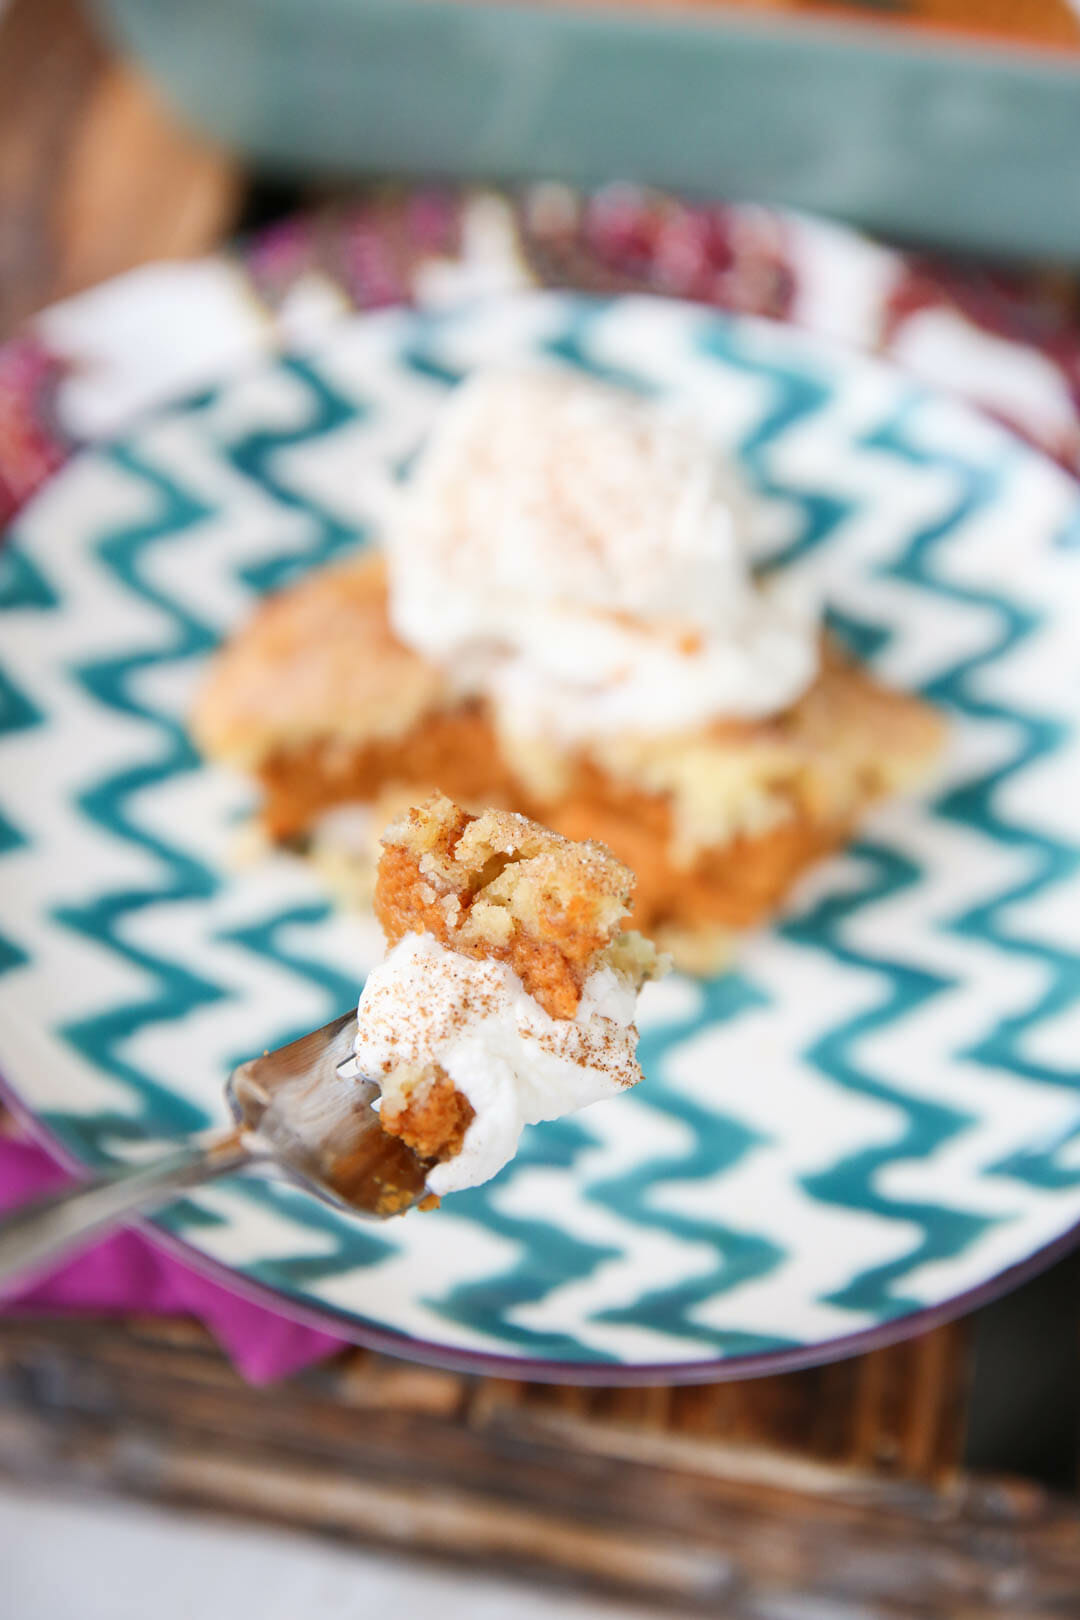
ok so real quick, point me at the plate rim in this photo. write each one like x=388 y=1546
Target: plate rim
x=354 y=1331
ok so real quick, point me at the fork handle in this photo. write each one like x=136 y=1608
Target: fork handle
x=38 y=1235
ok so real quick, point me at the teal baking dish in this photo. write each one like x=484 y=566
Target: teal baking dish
x=964 y=144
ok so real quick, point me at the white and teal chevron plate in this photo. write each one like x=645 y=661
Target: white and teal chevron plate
x=874 y=1121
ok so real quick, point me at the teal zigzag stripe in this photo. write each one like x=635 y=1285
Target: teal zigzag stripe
x=797 y=396
x=255 y=455
x=22 y=586
x=175 y=989
x=974 y=805
x=719 y=1142
x=112 y=805
x=17 y=713
x=348 y=1244
x=944 y=1232
x=574 y=347
x=548 y=1256
x=852 y=1182
x=263 y=939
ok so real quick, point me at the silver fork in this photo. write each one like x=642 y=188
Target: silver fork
x=303 y=1111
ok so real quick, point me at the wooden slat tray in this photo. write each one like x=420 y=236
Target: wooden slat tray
x=811 y=1488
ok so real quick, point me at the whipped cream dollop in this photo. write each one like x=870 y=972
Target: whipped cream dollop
x=579 y=555
x=515 y=1063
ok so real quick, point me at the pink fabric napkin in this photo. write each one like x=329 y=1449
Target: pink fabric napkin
x=129 y=1272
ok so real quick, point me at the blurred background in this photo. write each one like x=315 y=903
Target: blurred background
x=307 y=157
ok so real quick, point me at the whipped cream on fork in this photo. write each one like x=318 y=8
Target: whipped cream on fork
x=426 y=1004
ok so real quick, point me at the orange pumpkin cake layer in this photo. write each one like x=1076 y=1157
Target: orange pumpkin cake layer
x=327 y=708
x=428 y=1113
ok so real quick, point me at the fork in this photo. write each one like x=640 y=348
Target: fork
x=303 y=1111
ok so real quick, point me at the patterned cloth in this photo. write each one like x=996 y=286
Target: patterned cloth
x=128 y=1273
x=1007 y=341
x=1010 y=343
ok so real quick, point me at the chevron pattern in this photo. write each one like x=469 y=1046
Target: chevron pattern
x=876 y=1113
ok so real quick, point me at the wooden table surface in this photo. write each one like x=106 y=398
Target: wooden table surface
x=95 y=174
x=874 y=1469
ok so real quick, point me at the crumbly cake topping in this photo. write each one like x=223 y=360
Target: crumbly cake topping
x=317 y=661
x=500 y=885
x=847 y=742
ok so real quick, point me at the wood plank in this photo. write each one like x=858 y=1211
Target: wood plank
x=516 y=1478
x=96 y=174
